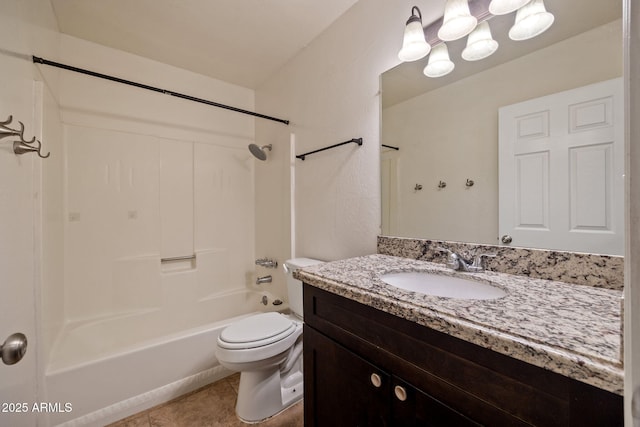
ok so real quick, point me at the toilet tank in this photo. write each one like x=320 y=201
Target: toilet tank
x=294 y=286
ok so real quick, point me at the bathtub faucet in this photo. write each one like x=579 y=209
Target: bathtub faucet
x=263 y=279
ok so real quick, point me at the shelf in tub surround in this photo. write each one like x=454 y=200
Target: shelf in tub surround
x=569 y=329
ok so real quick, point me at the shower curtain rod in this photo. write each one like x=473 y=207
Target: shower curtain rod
x=38 y=60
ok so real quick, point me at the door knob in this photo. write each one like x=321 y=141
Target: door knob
x=506 y=239
x=13 y=349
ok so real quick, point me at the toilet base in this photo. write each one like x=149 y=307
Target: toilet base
x=263 y=394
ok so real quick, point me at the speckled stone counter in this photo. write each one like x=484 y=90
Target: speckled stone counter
x=569 y=329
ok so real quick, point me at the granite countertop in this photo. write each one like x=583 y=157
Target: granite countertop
x=574 y=330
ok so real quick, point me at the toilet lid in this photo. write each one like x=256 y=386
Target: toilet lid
x=264 y=327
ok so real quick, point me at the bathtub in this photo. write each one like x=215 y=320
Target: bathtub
x=113 y=367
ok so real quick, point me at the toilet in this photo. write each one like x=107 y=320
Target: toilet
x=266 y=349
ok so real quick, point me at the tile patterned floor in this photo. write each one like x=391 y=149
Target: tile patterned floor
x=210 y=406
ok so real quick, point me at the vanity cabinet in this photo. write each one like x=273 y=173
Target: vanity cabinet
x=365 y=367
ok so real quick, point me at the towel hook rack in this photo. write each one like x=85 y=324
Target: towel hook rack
x=23 y=146
x=6 y=131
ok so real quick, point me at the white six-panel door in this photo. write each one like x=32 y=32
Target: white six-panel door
x=562 y=170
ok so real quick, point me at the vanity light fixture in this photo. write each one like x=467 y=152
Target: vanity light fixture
x=457 y=22
x=439 y=62
x=531 y=20
x=480 y=44
x=414 y=45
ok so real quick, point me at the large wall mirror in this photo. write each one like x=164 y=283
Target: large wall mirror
x=446 y=130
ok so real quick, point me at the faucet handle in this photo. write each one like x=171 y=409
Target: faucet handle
x=453 y=259
x=477 y=260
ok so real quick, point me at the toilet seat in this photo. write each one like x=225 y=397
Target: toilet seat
x=256 y=331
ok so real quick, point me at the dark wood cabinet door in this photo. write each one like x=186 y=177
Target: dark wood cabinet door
x=340 y=388
x=447 y=381
x=412 y=407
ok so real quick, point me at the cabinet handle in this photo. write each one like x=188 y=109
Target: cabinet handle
x=401 y=393
x=376 y=380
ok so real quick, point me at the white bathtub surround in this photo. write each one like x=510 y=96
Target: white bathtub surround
x=135 y=199
x=569 y=329
x=603 y=271
x=145 y=177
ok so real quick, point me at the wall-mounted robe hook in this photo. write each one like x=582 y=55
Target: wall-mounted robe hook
x=469 y=183
x=6 y=131
x=442 y=184
x=418 y=187
x=21 y=147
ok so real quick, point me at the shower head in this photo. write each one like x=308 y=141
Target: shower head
x=259 y=152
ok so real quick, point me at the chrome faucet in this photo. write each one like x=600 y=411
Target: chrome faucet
x=267 y=262
x=263 y=279
x=456 y=262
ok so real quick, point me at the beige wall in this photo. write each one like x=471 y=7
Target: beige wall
x=330 y=92
x=451 y=134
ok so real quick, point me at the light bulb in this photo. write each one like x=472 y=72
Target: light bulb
x=480 y=44
x=531 y=20
x=457 y=21
x=414 y=45
x=439 y=63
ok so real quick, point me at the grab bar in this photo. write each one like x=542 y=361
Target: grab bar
x=178 y=258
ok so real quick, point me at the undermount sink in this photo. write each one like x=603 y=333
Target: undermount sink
x=442 y=286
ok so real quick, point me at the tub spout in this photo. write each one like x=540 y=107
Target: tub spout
x=263 y=279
